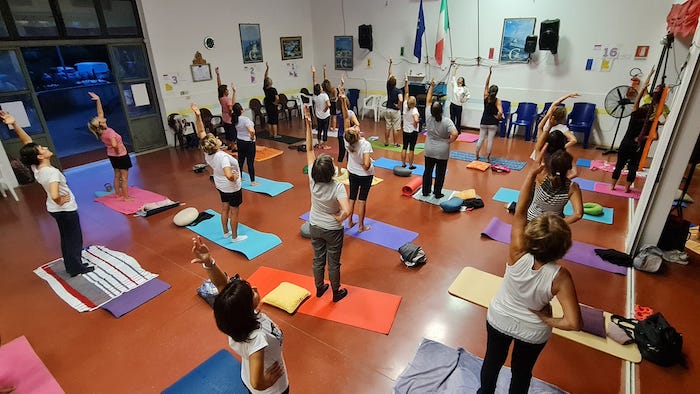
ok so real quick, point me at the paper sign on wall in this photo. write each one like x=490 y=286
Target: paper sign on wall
x=140 y=94
x=16 y=109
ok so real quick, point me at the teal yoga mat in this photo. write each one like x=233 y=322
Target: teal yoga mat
x=389 y=164
x=266 y=186
x=221 y=373
x=256 y=244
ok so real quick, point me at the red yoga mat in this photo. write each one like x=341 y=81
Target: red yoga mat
x=412 y=186
x=363 y=308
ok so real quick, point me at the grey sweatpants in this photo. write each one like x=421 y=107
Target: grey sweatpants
x=327 y=245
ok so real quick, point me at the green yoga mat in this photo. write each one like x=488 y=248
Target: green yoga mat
x=380 y=145
x=282 y=138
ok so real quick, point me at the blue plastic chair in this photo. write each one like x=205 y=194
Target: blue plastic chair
x=525 y=113
x=506 y=115
x=581 y=120
x=353 y=96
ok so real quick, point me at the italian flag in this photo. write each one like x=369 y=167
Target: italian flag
x=443 y=27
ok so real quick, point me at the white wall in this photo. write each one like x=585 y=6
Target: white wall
x=477 y=26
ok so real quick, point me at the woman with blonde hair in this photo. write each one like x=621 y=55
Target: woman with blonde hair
x=411 y=121
x=116 y=151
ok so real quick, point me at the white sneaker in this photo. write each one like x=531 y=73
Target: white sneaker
x=228 y=234
x=240 y=238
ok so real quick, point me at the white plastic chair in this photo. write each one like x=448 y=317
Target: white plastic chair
x=380 y=107
x=4 y=185
x=369 y=104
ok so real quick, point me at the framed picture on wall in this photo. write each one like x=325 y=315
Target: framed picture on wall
x=515 y=31
x=343 y=53
x=291 y=48
x=200 y=72
x=251 y=44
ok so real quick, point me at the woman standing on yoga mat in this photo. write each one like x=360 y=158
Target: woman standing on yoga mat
x=227 y=178
x=270 y=101
x=360 y=168
x=245 y=134
x=553 y=189
x=322 y=105
x=341 y=125
x=226 y=110
x=60 y=201
x=520 y=312
x=329 y=208
x=252 y=334
x=411 y=119
x=493 y=113
x=441 y=133
x=116 y=151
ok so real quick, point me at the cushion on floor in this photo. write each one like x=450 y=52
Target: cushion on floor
x=402 y=171
x=287 y=296
x=452 y=205
x=306 y=230
x=186 y=216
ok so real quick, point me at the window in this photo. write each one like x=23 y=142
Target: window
x=22 y=108
x=79 y=17
x=67 y=66
x=33 y=18
x=120 y=17
x=3 y=27
x=11 y=78
x=131 y=61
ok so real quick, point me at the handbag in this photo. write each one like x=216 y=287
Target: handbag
x=656 y=339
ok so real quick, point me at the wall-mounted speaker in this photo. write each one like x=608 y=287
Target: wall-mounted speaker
x=549 y=35
x=530 y=44
x=364 y=36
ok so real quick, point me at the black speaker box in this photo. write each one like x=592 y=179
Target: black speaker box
x=530 y=44
x=364 y=36
x=549 y=35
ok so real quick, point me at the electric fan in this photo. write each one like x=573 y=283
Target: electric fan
x=618 y=104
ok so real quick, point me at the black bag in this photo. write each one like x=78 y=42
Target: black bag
x=675 y=233
x=412 y=255
x=658 y=342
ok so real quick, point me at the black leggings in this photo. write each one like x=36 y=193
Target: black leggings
x=523 y=360
x=360 y=184
x=629 y=151
x=341 y=147
x=246 y=151
x=322 y=126
x=440 y=171
x=409 y=140
x=456 y=116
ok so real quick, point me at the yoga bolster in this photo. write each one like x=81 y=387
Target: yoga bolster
x=306 y=230
x=186 y=216
x=591 y=208
x=410 y=188
x=452 y=205
x=402 y=171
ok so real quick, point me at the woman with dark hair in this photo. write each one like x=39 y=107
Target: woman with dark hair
x=553 y=189
x=341 y=124
x=460 y=95
x=332 y=93
x=521 y=311
x=322 y=110
x=441 y=132
x=226 y=108
x=493 y=113
x=245 y=134
x=554 y=120
x=116 y=151
x=394 y=104
x=329 y=208
x=252 y=334
x=60 y=201
x=270 y=101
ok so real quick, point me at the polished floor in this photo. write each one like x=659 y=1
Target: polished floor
x=148 y=349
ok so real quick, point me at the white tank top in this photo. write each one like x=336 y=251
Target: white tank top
x=522 y=289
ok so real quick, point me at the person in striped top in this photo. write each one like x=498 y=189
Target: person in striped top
x=553 y=189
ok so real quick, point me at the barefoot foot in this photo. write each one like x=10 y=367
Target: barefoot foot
x=364 y=228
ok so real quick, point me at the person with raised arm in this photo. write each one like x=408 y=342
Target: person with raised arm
x=493 y=113
x=329 y=209
x=332 y=93
x=270 y=101
x=116 y=151
x=245 y=134
x=354 y=122
x=554 y=119
x=441 y=133
x=322 y=106
x=394 y=103
x=252 y=334
x=459 y=97
x=521 y=311
x=226 y=110
x=411 y=119
x=227 y=178
x=60 y=201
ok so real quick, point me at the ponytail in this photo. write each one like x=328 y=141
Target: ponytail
x=236 y=111
x=560 y=162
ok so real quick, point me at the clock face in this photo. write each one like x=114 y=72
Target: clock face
x=208 y=42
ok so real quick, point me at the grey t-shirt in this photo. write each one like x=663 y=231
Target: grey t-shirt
x=324 y=203
x=437 y=142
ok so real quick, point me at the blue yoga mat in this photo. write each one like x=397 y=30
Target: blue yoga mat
x=389 y=164
x=467 y=156
x=221 y=373
x=102 y=193
x=256 y=244
x=507 y=195
x=583 y=163
x=585 y=184
x=382 y=234
x=266 y=186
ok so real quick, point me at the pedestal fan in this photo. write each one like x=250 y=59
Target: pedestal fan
x=618 y=104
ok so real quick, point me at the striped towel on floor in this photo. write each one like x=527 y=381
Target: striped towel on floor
x=115 y=273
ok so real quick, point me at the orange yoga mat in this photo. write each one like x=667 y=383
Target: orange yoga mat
x=412 y=186
x=263 y=153
x=363 y=308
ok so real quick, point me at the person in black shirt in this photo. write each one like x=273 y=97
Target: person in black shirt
x=271 y=100
x=394 y=104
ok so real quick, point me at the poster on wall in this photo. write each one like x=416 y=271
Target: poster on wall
x=515 y=31
x=251 y=43
x=343 y=53
x=291 y=48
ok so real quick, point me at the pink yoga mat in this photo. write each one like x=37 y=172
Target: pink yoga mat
x=140 y=197
x=609 y=167
x=22 y=368
x=468 y=137
x=412 y=186
x=619 y=191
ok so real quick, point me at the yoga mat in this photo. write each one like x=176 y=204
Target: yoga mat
x=410 y=188
x=115 y=273
x=380 y=233
x=585 y=184
x=468 y=156
x=583 y=163
x=607 y=166
x=508 y=195
x=282 y=138
x=468 y=137
x=220 y=373
x=344 y=178
x=102 y=193
x=579 y=252
x=437 y=368
x=480 y=287
x=447 y=194
x=619 y=191
x=133 y=299
x=140 y=197
x=263 y=153
x=22 y=368
x=368 y=309
x=256 y=244
x=266 y=186
x=391 y=147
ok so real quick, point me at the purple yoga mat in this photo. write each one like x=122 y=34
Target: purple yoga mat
x=383 y=234
x=132 y=299
x=579 y=252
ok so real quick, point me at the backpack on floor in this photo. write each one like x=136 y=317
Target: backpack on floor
x=412 y=255
x=657 y=340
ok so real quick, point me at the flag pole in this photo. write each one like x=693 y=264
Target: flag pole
x=447 y=11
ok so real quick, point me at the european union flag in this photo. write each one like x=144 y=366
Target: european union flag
x=420 y=30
